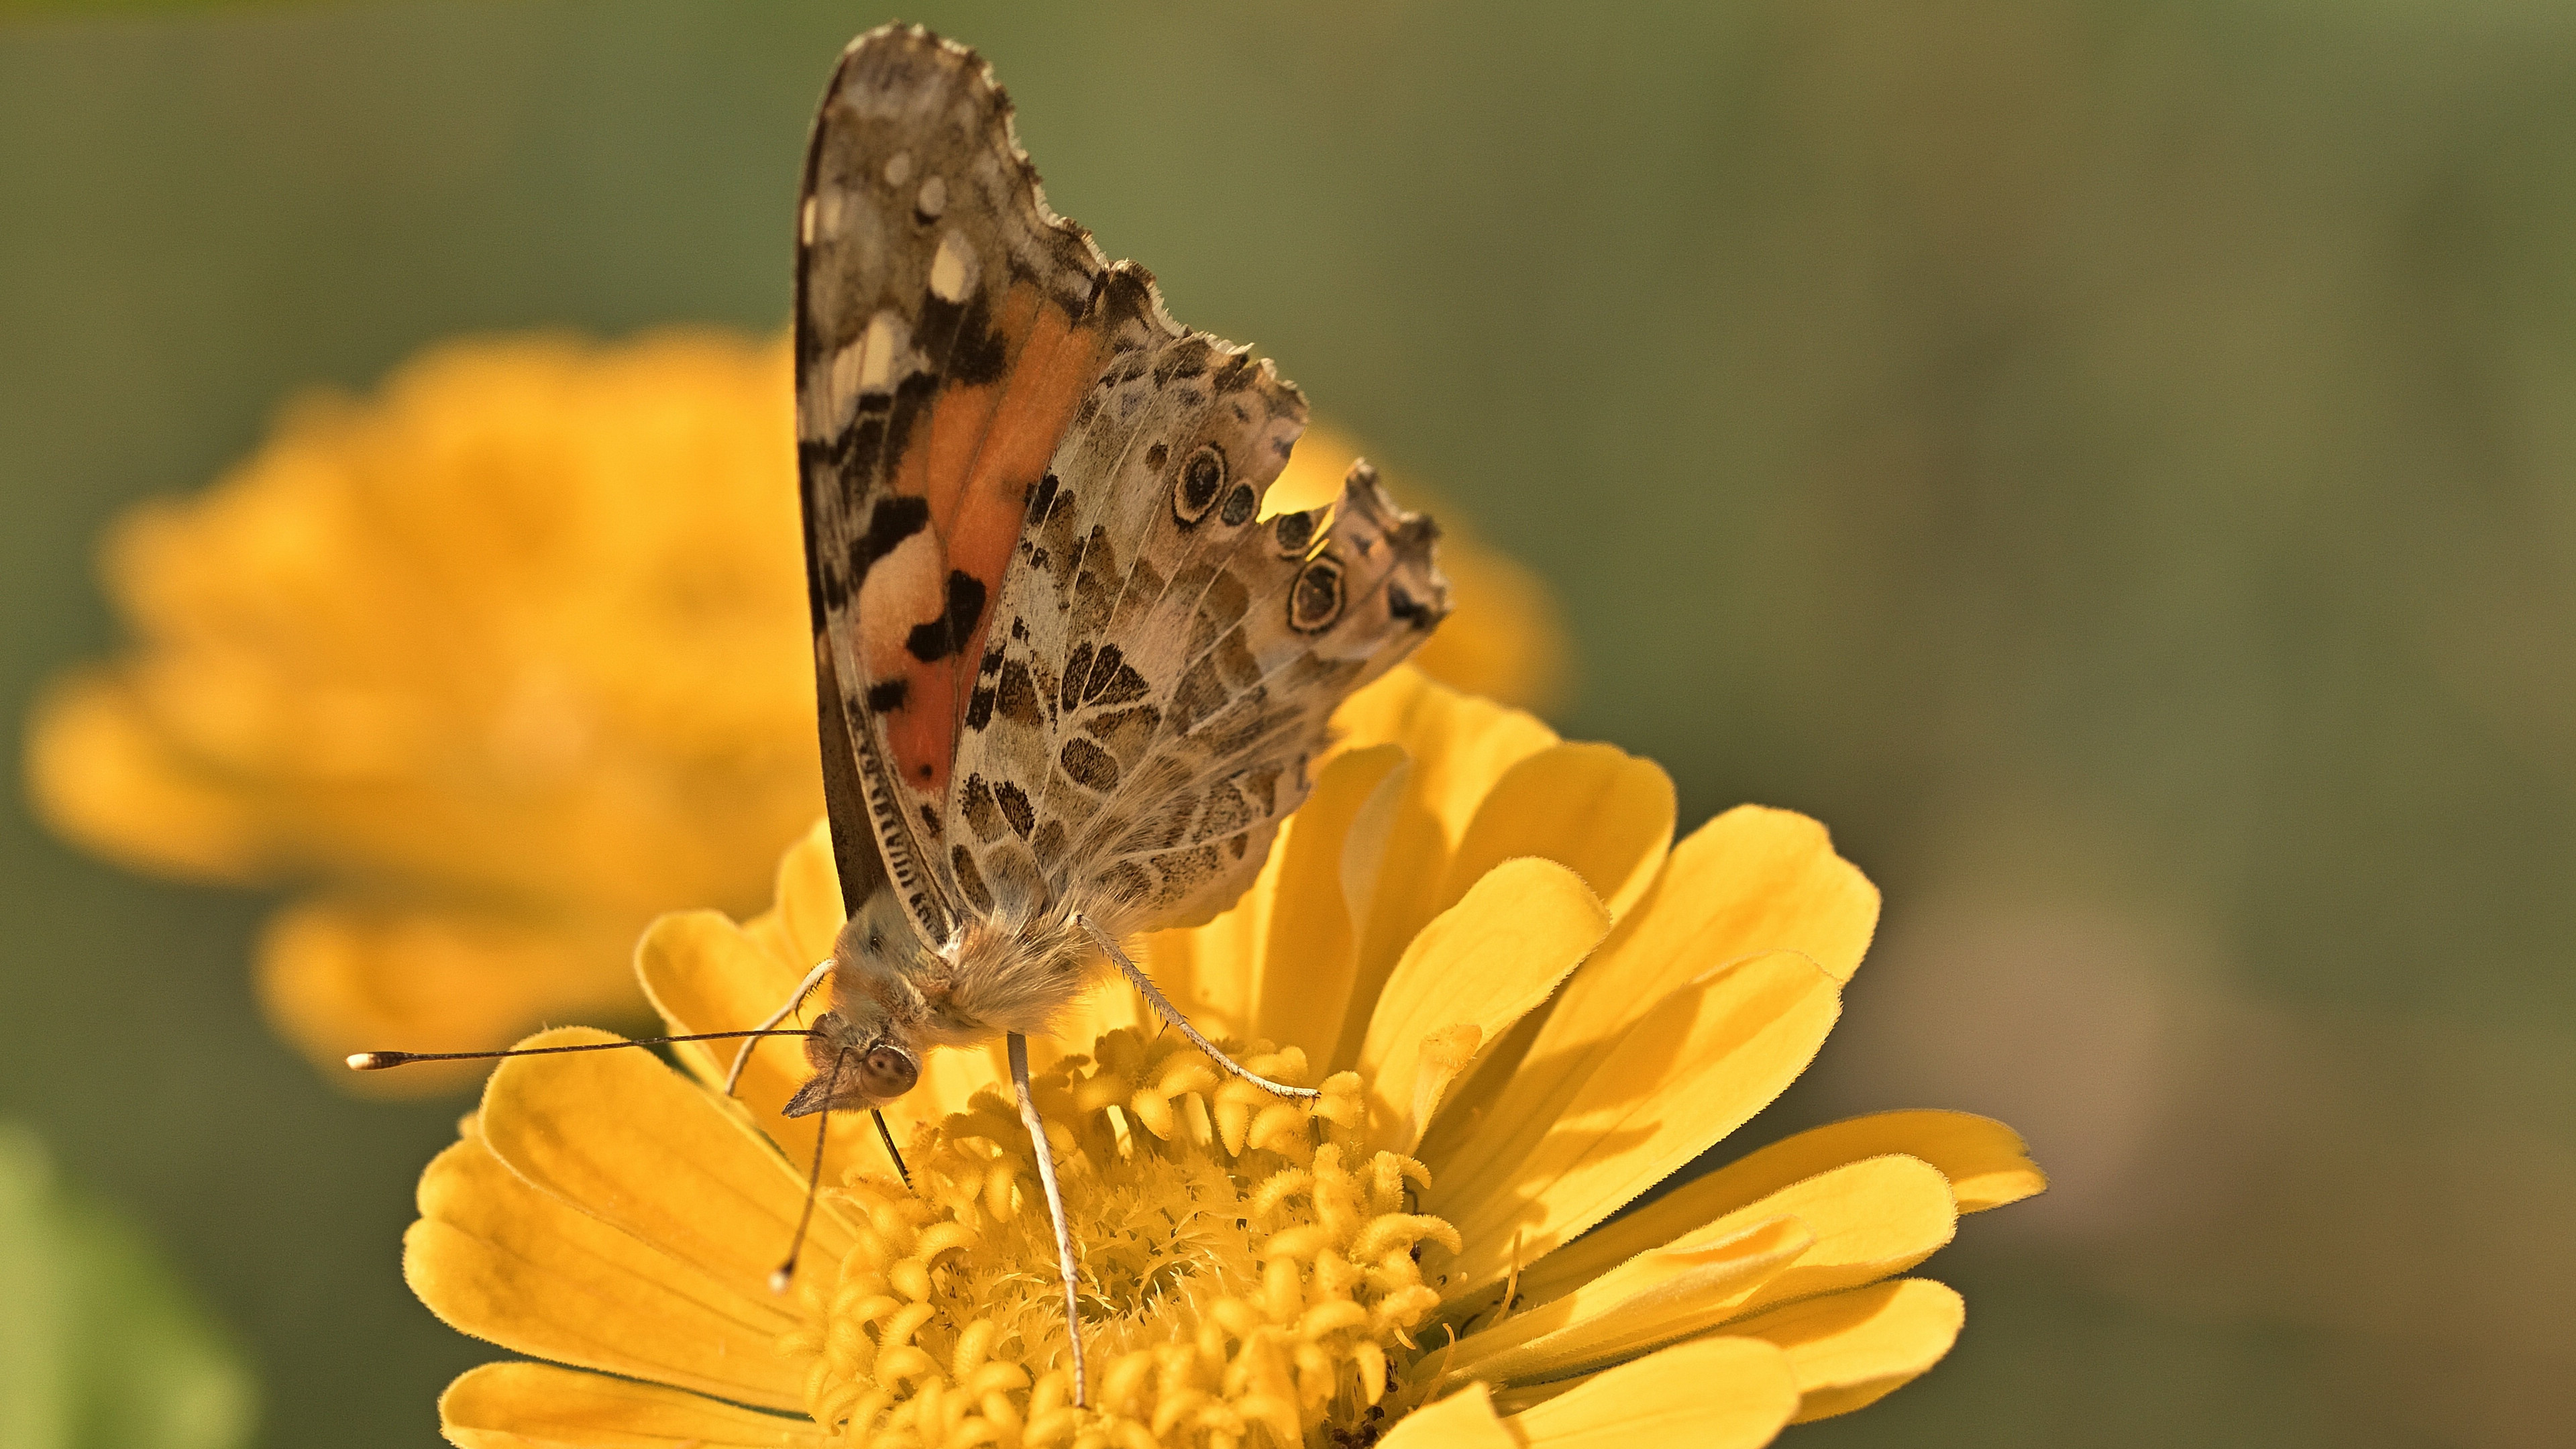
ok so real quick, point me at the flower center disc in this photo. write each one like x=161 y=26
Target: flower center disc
x=1242 y=1261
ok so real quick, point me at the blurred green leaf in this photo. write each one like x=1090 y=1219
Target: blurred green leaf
x=99 y=1347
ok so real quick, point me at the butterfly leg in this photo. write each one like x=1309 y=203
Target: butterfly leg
x=804 y=989
x=1163 y=1008
x=885 y=1135
x=1019 y=1050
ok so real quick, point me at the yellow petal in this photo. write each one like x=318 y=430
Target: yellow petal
x=1753 y=880
x=1750 y=881
x=1312 y=476
x=1310 y=949
x=1464 y=1420
x=622 y=1137
x=1984 y=1160
x=1870 y=1219
x=1209 y=970
x=508 y=1405
x=1392 y=859
x=1456 y=747
x=809 y=908
x=1484 y=963
x=1460 y=744
x=1595 y=808
x=1852 y=1349
x=496 y=1258
x=1606 y=814
x=1716 y=1393
x=1568 y=1143
x=1653 y=1298
x=703 y=973
x=1987 y=1163
x=1438 y=1060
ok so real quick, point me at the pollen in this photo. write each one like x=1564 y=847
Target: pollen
x=1245 y=1267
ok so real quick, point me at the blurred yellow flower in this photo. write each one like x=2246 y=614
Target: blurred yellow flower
x=495 y=666
x=1533 y=1009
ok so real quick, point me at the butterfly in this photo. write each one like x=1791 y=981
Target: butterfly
x=1069 y=681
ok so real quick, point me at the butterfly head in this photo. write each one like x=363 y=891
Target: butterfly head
x=866 y=1051
x=854 y=1068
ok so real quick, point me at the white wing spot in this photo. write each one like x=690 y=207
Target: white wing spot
x=877 y=348
x=952 y=272
x=901 y=590
x=844 y=388
x=934 y=196
x=898 y=168
x=827 y=402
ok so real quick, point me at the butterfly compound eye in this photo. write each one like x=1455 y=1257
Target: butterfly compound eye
x=889 y=1072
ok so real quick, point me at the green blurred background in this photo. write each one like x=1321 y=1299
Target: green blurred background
x=2111 y=461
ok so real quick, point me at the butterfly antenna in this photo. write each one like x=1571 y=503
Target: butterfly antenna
x=1019 y=1048
x=804 y=989
x=885 y=1135
x=378 y=1061
x=786 y=1272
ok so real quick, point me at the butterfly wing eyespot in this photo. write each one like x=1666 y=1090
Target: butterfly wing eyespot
x=1195 y=485
x=1293 y=532
x=1315 y=599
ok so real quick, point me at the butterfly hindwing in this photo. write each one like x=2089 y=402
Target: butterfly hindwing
x=945 y=333
x=1164 y=660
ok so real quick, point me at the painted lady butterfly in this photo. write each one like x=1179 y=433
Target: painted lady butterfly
x=1069 y=679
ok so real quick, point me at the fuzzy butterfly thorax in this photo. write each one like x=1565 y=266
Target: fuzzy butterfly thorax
x=1071 y=679
x=892 y=992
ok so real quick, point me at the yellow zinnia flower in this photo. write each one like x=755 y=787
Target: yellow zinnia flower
x=1527 y=1009
x=498 y=665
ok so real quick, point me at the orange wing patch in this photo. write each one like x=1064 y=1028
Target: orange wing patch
x=925 y=609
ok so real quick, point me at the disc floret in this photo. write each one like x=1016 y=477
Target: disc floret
x=1243 y=1261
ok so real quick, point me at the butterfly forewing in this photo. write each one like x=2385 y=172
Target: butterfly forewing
x=945 y=333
